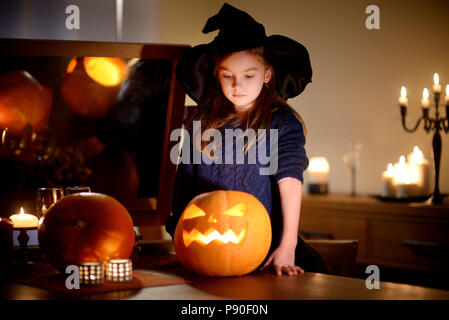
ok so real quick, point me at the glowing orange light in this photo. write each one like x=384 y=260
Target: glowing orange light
x=211 y=235
x=71 y=66
x=193 y=211
x=236 y=211
x=106 y=71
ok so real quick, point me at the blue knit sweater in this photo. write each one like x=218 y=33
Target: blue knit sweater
x=193 y=179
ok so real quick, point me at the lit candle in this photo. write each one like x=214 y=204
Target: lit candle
x=317 y=173
x=24 y=220
x=406 y=185
x=425 y=102
x=403 y=101
x=420 y=170
x=401 y=172
x=119 y=270
x=436 y=83
x=446 y=98
x=91 y=273
x=388 y=187
x=318 y=170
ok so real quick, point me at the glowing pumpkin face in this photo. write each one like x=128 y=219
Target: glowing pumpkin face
x=223 y=233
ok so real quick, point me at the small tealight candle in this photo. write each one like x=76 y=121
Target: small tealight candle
x=91 y=273
x=403 y=101
x=24 y=220
x=119 y=270
x=425 y=102
x=436 y=83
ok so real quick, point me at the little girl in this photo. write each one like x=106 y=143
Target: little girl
x=240 y=81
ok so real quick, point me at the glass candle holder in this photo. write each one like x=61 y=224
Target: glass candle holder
x=45 y=197
x=91 y=273
x=76 y=189
x=119 y=270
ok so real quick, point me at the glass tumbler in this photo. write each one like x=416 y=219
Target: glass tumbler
x=45 y=197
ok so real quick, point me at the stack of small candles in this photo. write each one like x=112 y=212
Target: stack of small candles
x=407 y=179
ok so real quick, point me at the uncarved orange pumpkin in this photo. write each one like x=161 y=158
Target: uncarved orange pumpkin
x=223 y=233
x=86 y=227
x=23 y=101
x=90 y=85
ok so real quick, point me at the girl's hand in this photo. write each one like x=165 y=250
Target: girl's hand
x=283 y=262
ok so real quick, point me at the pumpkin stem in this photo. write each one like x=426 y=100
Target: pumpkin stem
x=81 y=224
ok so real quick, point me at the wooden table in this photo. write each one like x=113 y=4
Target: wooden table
x=256 y=286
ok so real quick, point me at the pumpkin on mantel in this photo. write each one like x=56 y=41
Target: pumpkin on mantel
x=90 y=85
x=223 y=233
x=23 y=101
x=86 y=227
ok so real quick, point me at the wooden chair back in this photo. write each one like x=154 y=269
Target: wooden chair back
x=339 y=255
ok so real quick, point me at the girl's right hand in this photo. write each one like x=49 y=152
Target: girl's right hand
x=283 y=262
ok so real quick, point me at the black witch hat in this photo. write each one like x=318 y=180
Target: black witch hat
x=239 y=31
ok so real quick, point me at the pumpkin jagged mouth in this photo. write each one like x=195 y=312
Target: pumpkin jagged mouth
x=211 y=235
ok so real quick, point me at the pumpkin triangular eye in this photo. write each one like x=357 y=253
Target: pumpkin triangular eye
x=193 y=211
x=238 y=210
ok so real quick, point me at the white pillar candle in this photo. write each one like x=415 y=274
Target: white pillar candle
x=406 y=183
x=420 y=171
x=406 y=190
x=24 y=220
x=388 y=187
x=401 y=172
x=318 y=170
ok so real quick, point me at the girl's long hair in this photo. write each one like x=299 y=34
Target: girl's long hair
x=219 y=110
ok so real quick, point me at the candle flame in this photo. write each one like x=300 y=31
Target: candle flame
x=390 y=168
x=436 y=79
x=319 y=164
x=405 y=173
x=403 y=92
x=447 y=90
x=417 y=156
x=21 y=213
x=425 y=94
x=390 y=171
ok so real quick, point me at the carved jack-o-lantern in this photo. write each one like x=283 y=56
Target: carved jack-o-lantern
x=223 y=233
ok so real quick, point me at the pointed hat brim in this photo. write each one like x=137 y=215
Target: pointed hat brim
x=289 y=58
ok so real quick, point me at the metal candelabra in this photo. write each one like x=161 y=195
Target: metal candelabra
x=437 y=124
